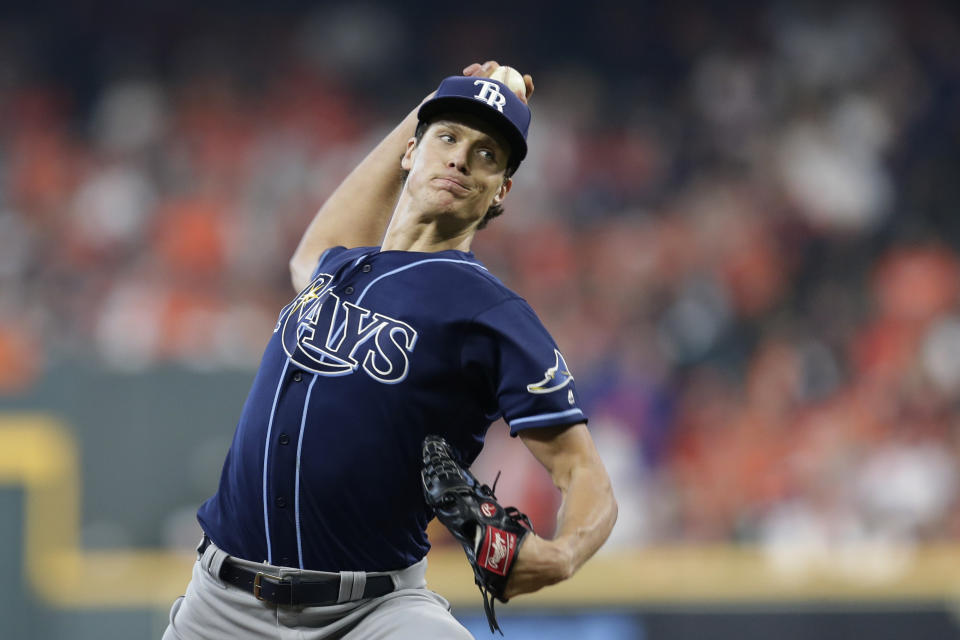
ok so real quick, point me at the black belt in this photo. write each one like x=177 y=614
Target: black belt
x=292 y=589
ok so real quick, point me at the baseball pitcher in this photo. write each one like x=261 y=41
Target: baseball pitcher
x=375 y=393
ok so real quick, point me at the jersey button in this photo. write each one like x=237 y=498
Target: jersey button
x=280 y=502
x=366 y=268
x=284 y=438
x=348 y=290
x=297 y=377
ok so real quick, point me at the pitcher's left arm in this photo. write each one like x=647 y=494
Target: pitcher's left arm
x=587 y=513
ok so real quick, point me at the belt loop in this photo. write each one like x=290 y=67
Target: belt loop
x=212 y=560
x=359 y=582
x=352 y=584
x=346 y=586
x=206 y=556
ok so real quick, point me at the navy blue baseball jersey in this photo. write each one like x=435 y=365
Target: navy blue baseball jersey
x=379 y=350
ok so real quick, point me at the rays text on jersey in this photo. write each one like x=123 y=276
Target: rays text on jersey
x=333 y=337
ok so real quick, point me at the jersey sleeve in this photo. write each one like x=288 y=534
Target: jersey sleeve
x=523 y=368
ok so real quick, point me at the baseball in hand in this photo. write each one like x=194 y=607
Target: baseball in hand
x=510 y=77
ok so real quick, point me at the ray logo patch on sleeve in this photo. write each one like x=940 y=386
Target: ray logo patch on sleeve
x=556 y=377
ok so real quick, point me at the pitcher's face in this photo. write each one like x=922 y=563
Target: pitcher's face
x=457 y=168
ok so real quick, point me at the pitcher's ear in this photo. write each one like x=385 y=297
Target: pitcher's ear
x=406 y=162
x=503 y=191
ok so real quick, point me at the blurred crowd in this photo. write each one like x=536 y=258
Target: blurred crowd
x=739 y=223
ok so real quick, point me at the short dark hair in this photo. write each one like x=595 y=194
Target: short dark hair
x=495 y=209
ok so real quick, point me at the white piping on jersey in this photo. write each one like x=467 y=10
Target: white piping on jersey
x=266 y=452
x=296 y=490
x=414 y=264
x=546 y=416
x=398 y=270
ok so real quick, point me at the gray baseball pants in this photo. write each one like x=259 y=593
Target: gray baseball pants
x=213 y=610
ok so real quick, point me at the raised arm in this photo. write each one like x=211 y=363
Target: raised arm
x=586 y=515
x=358 y=211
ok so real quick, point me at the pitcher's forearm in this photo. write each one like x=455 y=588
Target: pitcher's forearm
x=358 y=211
x=585 y=520
x=587 y=514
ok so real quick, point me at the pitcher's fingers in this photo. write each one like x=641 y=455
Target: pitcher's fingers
x=489 y=67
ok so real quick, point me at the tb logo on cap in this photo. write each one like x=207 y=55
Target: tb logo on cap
x=490 y=93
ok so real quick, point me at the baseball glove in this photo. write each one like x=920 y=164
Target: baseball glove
x=490 y=534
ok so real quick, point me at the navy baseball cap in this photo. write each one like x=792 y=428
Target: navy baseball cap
x=488 y=99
